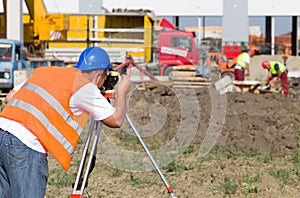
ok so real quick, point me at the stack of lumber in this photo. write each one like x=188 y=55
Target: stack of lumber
x=185 y=77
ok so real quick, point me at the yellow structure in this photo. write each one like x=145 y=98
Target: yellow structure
x=39 y=26
x=120 y=33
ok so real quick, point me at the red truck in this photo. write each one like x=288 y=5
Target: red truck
x=176 y=48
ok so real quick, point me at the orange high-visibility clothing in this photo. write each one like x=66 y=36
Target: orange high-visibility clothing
x=42 y=106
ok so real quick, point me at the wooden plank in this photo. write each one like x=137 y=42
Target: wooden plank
x=188 y=87
x=189 y=78
x=246 y=82
x=190 y=83
x=184 y=68
x=183 y=74
x=248 y=85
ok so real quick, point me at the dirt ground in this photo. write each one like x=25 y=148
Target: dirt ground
x=207 y=145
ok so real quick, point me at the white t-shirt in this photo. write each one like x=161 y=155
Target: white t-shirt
x=86 y=98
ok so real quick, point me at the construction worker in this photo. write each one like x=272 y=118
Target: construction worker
x=276 y=71
x=241 y=67
x=47 y=114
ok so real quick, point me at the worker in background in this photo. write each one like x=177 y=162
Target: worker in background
x=276 y=71
x=241 y=67
x=47 y=114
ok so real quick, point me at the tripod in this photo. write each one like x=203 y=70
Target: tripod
x=81 y=183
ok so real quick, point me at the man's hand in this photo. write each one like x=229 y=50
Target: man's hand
x=122 y=87
x=123 y=84
x=273 y=81
x=247 y=73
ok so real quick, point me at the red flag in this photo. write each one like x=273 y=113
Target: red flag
x=166 y=24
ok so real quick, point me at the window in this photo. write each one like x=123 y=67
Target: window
x=184 y=42
x=18 y=52
x=5 y=52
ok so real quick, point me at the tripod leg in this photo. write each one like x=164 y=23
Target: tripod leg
x=78 y=190
x=169 y=188
x=84 y=154
x=92 y=154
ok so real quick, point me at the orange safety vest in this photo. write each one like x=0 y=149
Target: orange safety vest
x=42 y=106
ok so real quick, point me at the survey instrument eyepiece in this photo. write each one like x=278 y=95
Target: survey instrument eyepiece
x=111 y=80
x=109 y=84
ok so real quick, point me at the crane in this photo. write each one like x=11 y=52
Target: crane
x=39 y=26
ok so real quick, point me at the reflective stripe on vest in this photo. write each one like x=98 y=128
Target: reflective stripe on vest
x=55 y=104
x=281 y=66
x=40 y=116
x=241 y=60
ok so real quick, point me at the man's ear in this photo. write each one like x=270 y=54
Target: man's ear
x=98 y=74
x=97 y=77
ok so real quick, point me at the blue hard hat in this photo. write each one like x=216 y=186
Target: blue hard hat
x=93 y=58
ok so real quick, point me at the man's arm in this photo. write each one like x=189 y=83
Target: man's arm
x=88 y=98
x=268 y=78
x=12 y=92
x=247 y=64
x=117 y=118
x=247 y=72
x=279 y=73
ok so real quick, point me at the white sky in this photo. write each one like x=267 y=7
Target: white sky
x=55 y=6
x=282 y=25
x=62 y=6
x=182 y=8
x=185 y=8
